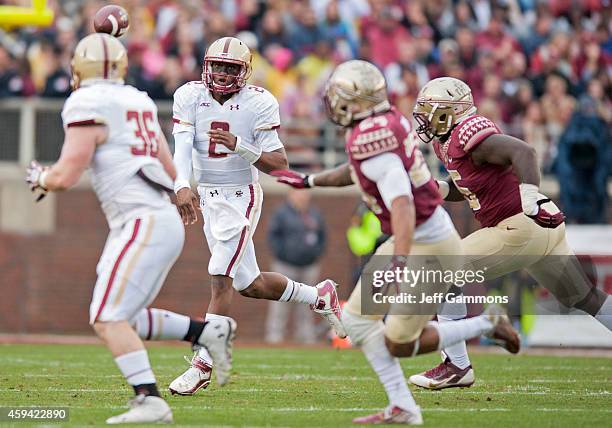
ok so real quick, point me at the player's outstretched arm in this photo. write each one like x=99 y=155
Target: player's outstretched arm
x=336 y=177
x=79 y=146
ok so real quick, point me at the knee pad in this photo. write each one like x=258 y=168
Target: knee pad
x=360 y=329
x=140 y=323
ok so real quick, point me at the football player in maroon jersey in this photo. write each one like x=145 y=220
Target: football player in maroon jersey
x=398 y=187
x=499 y=177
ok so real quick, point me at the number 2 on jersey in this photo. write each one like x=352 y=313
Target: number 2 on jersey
x=150 y=145
x=223 y=126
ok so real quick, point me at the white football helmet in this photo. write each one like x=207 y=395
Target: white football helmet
x=221 y=56
x=98 y=56
x=440 y=105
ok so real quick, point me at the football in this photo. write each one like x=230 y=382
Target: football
x=112 y=19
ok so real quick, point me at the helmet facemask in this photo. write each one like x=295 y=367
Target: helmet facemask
x=433 y=120
x=337 y=107
x=234 y=71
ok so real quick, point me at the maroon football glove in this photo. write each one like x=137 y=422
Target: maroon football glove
x=292 y=178
x=545 y=219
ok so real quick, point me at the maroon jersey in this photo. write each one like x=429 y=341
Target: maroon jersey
x=390 y=133
x=491 y=190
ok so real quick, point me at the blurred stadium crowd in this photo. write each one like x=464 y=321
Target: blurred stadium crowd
x=532 y=64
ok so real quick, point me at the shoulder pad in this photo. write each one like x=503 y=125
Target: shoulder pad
x=472 y=131
x=363 y=145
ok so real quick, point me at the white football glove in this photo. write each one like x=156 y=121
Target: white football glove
x=35 y=177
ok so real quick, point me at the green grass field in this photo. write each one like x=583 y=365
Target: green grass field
x=314 y=388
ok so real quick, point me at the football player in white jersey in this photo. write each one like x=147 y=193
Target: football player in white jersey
x=225 y=131
x=112 y=128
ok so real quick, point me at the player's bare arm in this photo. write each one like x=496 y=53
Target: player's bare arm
x=339 y=176
x=79 y=146
x=500 y=149
x=270 y=161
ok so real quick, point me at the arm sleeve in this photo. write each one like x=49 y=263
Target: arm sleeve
x=183 y=144
x=390 y=176
x=82 y=109
x=183 y=110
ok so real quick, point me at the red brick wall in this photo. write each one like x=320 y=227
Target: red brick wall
x=47 y=280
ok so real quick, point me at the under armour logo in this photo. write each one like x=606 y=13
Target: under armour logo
x=216 y=192
x=205 y=105
x=232 y=106
x=239 y=193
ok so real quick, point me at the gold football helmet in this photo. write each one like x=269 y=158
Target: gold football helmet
x=98 y=56
x=227 y=65
x=355 y=90
x=440 y=105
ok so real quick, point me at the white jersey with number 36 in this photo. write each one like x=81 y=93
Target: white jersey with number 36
x=133 y=131
x=252 y=114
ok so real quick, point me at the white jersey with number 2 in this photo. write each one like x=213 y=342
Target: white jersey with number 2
x=252 y=114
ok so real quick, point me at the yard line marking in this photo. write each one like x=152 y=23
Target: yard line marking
x=276 y=390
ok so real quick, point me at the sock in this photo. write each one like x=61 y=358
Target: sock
x=146 y=389
x=136 y=368
x=159 y=324
x=300 y=293
x=456 y=353
x=604 y=315
x=194 y=331
x=389 y=372
x=369 y=334
x=451 y=333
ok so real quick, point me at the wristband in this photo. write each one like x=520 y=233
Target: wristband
x=42 y=179
x=180 y=184
x=246 y=151
x=443 y=188
x=529 y=198
x=310 y=180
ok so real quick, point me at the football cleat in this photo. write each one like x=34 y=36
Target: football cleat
x=217 y=338
x=503 y=334
x=144 y=409
x=195 y=378
x=328 y=306
x=392 y=415
x=445 y=375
